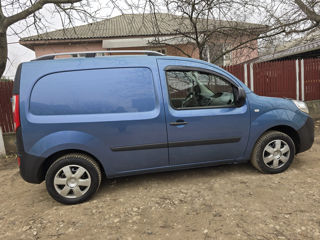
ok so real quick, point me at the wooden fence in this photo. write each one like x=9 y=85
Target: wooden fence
x=297 y=79
x=6 y=115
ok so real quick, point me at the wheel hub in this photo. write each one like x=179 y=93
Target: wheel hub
x=277 y=154
x=72 y=182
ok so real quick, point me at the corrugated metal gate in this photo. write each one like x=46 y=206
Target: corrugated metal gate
x=297 y=79
x=312 y=79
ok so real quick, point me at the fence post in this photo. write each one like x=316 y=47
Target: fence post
x=2 y=148
x=245 y=74
x=297 y=79
x=251 y=77
x=302 y=80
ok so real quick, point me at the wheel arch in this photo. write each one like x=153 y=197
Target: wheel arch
x=290 y=131
x=53 y=157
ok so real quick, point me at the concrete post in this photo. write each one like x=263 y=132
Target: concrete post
x=208 y=54
x=251 y=77
x=2 y=148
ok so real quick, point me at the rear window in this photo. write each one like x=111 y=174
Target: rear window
x=118 y=90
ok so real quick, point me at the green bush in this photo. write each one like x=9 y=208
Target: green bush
x=5 y=79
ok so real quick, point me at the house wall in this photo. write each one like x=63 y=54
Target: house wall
x=238 y=56
x=46 y=49
x=247 y=52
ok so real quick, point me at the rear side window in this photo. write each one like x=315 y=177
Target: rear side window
x=120 y=90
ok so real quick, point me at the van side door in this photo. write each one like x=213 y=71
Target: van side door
x=203 y=122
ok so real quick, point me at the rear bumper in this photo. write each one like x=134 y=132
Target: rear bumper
x=31 y=169
x=306 y=135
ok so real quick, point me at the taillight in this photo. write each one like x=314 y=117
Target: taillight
x=19 y=161
x=16 y=111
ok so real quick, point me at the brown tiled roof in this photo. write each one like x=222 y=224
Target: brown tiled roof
x=133 y=25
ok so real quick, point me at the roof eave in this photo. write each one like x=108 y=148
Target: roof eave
x=31 y=43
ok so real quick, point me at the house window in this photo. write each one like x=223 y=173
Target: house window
x=213 y=50
x=227 y=57
x=99 y=54
x=83 y=55
x=79 y=55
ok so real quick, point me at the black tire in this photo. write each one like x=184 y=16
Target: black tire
x=259 y=152
x=73 y=162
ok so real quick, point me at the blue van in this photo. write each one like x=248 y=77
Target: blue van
x=79 y=119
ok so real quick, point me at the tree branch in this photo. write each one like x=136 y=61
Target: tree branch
x=3 y=51
x=1 y=12
x=312 y=15
x=32 y=9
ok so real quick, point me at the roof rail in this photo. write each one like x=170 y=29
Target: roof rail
x=94 y=53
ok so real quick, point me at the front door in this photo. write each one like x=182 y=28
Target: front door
x=203 y=123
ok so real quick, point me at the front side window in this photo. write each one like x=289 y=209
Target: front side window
x=196 y=89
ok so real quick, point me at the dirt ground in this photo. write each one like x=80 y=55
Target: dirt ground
x=226 y=202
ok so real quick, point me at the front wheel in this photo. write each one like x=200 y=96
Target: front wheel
x=273 y=152
x=73 y=178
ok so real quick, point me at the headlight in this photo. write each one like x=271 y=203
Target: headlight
x=301 y=105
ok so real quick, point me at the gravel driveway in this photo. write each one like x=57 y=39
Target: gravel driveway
x=226 y=202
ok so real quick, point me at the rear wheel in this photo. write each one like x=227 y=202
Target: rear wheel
x=273 y=152
x=73 y=178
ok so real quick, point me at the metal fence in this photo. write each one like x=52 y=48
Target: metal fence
x=311 y=78
x=297 y=79
x=6 y=115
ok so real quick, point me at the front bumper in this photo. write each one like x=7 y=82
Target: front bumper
x=31 y=167
x=306 y=135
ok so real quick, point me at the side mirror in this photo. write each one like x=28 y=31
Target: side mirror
x=240 y=96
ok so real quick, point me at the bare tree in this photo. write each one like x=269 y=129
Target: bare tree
x=288 y=20
x=214 y=28
x=18 y=16
x=217 y=28
x=311 y=9
x=298 y=16
x=202 y=22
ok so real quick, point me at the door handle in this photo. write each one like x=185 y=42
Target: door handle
x=178 y=123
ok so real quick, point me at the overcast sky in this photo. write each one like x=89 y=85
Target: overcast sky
x=18 y=53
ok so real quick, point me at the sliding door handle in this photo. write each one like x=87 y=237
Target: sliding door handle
x=178 y=123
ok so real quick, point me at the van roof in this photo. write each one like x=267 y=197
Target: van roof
x=91 y=54
x=128 y=57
